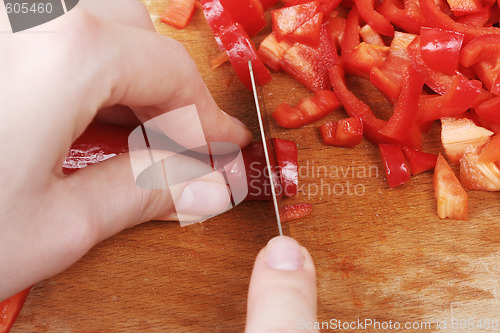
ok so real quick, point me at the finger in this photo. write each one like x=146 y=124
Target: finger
x=154 y=74
x=282 y=293
x=118 y=202
x=127 y=12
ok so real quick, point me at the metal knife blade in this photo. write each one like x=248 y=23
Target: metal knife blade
x=268 y=146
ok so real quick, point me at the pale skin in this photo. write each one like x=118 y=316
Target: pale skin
x=52 y=84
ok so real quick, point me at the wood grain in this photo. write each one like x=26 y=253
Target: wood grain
x=381 y=254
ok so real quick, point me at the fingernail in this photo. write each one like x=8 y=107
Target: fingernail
x=202 y=198
x=284 y=253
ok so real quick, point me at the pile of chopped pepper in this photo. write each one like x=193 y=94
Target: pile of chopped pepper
x=434 y=60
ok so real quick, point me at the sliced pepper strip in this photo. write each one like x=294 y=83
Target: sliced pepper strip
x=396 y=169
x=439 y=82
x=10 y=309
x=178 y=13
x=248 y=13
x=438 y=19
x=286 y=160
x=376 y=20
x=232 y=38
x=356 y=108
x=405 y=15
x=405 y=112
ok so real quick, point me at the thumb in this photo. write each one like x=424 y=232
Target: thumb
x=282 y=293
x=117 y=200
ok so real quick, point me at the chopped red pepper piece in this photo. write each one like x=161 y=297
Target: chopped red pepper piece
x=10 y=309
x=419 y=161
x=376 y=20
x=344 y=133
x=288 y=19
x=307 y=110
x=179 y=13
x=286 y=160
x=98 y=143
x=405 y=112
x=407 y=15
x=325 y=6
x=388 y=77
x=478 y=175
x=438 y=19
x=367 y=56
x=335 y=26
x=248 y=13
x=461 y=96
x=271 y=51
x=451 y=198
x=396 y=169
x=356 y=108
x=308 y=33
x=437 y=81
x=235 y=41
x=370 y=36
x=295 y=212
x=463 y=7
x=483 y=54
x=350 y=40
x=309 y=65
x=266 y=4
x=491 y=152
x=489 y=110
x=440 y=49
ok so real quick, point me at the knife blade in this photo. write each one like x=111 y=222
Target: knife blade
x=265 y=134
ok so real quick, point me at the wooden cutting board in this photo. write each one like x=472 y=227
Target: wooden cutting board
x=381 y=254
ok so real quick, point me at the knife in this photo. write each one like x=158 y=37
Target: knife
x=265 y=134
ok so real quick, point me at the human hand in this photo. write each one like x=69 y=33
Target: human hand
x=282 y=293
x=53 y=83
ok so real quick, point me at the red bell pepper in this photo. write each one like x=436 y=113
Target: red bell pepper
x=490 y=110
x=308 y=110
x=491 y=152
x=463 y=7
x=483 y=55
x=478 y=175
x=388 y=77
x=179 y=13
x=335 y=27
x=344 y=133
x=479 y=19
x=437 y=81
x=295 y=212
x=286 y=161
x=288 y=19
x=350 y=40
x=419 y=161
x=248 y=13
x=309 y=32
x=461 y=96
x=440 y=49
x=370 y=36
x=405 y=15
x=10 y=309
x=309 y=65
x=271 y=51
x=376 y=20
x=438 y=19
x=266 y=4
x=365 y=57
x=405 y=112
x=450 y=196
x=325 y=6
x=396 y=169
x=356 y=108
x=98 y=143
x=234 y=40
